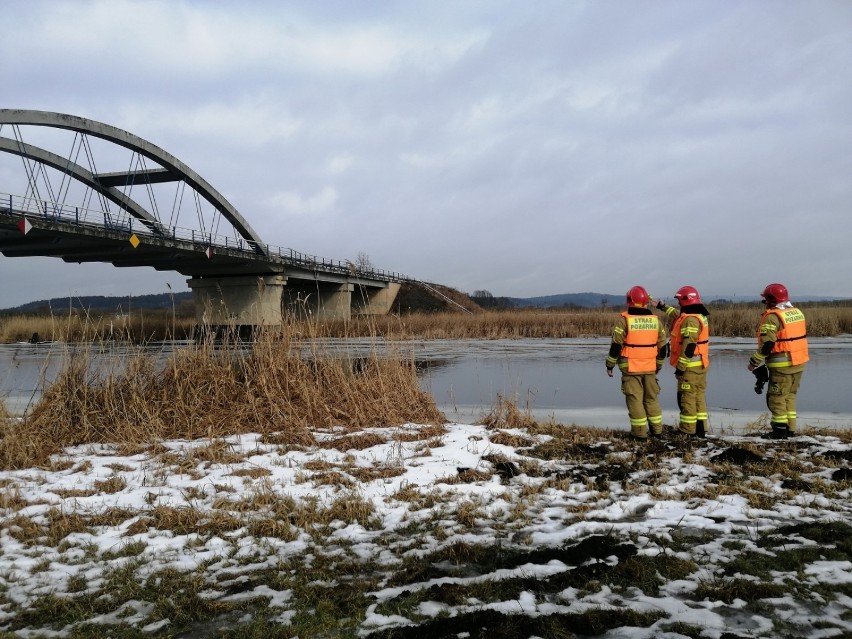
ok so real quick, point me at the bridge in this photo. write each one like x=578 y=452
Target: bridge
x=72 y=211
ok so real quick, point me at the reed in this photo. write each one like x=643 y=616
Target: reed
x=734 y=320
x=739 y=320
x=485 y=325
x=137 y=327
x=277 y=385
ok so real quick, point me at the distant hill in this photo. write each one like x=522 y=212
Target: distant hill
x=570 y=300
x=598 y=300
x=411 y=298
x=104 y=304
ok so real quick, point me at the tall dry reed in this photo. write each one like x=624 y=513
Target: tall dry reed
x=728 y=321
x=139 y=327
x=484 y=325
x=738 y=320
x=275 y=385
x=741 y=320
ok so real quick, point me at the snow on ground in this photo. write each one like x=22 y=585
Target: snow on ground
x=732 y=536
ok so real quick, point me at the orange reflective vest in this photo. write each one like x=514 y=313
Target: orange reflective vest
x=701 y=356
x=791 y=340
x=640 y=343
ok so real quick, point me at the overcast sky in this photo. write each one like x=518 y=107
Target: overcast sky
x=526 y=148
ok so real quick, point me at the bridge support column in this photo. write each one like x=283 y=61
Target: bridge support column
x=238 y=301
x=335 y=302
x=375 y=301
x=319 y=300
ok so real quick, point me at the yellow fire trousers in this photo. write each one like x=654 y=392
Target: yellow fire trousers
x=641 y=392
x=691 y=398
x=781 y=397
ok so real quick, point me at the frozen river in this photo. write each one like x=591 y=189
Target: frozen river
x=566 y=379
x=560 y=378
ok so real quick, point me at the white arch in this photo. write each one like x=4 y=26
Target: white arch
x=175 y=167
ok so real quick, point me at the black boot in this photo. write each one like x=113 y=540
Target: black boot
x=779 y=431
x=699 y=428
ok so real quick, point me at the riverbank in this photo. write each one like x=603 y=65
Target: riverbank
x=511 y=528
x=722 y=422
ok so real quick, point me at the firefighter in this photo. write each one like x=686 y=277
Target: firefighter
x=782 y=346
x=639 y=348
x=690 y=356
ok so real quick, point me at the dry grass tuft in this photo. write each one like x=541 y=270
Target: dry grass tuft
x=111 y=486
x=254 y=473
x=360 y=441
x=506 y=414
x=217 y=452
x=421 y=433
x=274 y=387
x=365 y=475
x=513 y=440
x=11 y=499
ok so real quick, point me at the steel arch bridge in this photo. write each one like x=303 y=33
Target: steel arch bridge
x=72 y=210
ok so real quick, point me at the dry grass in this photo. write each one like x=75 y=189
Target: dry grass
x=274 y=388
x=734 y=320
x=483 y=325
x=738 y=320
x=137 y=327
x=506 y=414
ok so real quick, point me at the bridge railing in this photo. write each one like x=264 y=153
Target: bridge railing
x=14 y=205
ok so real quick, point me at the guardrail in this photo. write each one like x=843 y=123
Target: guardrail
x=14 y=205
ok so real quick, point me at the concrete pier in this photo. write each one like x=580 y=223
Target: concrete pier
x=375 y=301
x=268 y=299
x=238 y=301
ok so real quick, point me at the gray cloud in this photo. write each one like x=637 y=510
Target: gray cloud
x=524 y=149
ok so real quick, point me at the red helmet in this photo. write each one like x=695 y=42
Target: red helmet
x=687 y=295
x=637 y=296
x=775 y=294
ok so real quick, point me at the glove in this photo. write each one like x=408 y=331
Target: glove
x=609 y=370
x=761 y=375
x=661 y=305
x=678 y=373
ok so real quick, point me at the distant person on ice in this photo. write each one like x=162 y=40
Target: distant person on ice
x=639 y=347
x=690 y=355
x=782 y=347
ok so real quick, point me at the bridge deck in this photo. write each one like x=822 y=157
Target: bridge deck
x=77 y=235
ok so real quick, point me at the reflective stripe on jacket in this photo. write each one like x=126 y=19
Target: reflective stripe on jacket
x=701 y=356
x=639 y=349
x=791 y=339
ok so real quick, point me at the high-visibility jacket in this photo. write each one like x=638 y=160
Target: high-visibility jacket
x=640 y=343
x=791 y=339
x=701 y=356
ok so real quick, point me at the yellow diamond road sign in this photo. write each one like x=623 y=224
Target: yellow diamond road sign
x=134 y=240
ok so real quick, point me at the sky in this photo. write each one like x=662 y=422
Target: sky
x=525 y=149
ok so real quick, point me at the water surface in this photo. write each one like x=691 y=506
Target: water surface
x=560 y=378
